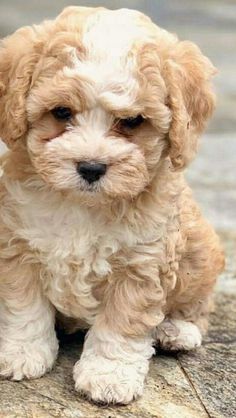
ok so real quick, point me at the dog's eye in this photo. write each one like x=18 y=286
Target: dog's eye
x=132 y=123
x=62 y=113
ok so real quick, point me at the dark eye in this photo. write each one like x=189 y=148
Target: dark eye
x=132 y=123
x=62 y=113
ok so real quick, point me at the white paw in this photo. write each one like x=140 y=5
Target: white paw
x=28 y=360
x=175 y=334
x=109 y=380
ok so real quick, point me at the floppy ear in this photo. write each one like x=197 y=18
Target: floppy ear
x=190 y=98
x=17 y=63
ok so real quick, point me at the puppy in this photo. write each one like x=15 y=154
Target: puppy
x=101 y=111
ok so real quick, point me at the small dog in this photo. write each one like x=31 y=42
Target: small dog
x=102 y=111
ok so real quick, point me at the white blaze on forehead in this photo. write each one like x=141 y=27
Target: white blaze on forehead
x=108 y=37
x=110 y=34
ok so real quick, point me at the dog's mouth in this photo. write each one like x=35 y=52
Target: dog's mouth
x=91 y=188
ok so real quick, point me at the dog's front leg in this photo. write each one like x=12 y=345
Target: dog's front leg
x=28 y=343
x=118 y=347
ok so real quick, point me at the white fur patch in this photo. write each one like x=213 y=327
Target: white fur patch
x=109 y=66
x=112 y=368
x=28 y=343
x=73 y=243
x=175 y=334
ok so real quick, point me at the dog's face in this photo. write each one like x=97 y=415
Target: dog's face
x=100 y=98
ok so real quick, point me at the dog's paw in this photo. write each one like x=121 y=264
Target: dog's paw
x=175 y=335
x=28 y=360
x=109 y=381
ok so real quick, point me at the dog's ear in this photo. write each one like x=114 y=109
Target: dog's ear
x=19 y=54
x=191 y=100
x=17 y=62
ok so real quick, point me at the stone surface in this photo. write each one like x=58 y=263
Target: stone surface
x=211 y=370
x=167 y=392
x=198 y=384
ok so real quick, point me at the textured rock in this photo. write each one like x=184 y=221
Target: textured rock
x=167 y=392
x=211 y=370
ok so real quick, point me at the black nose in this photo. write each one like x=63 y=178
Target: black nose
x=91 y=171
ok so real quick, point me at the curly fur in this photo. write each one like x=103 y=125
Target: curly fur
x=131 y=255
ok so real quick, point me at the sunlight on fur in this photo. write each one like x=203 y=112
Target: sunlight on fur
x=102 y=111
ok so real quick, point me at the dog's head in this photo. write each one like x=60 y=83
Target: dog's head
x=99 y=98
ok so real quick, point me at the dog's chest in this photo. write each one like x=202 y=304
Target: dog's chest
x=74 y=246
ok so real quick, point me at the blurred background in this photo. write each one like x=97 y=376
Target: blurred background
x=212 y=25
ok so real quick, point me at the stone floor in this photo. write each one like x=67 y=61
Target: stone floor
x=198 y=384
